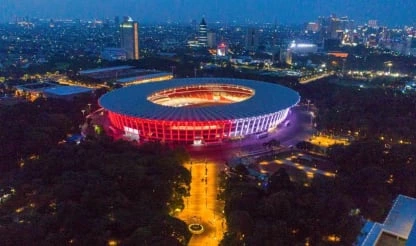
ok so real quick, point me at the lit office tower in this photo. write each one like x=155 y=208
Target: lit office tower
x=129 y=38
x=252 y=39
x=202 y=37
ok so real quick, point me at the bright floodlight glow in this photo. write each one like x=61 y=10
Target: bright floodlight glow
x=301 y=45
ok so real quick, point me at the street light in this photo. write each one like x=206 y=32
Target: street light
x=173 y=70
x=312 y=117
x=389 y=64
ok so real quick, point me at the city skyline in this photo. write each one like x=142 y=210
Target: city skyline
x=190 y=122
x=388 y=12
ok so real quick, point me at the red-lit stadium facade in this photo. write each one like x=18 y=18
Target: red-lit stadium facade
x=198 y=110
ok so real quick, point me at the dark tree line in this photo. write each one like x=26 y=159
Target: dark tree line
x=30 y=129
x=98 y=191
x=373 y=174
x=372 y=171
x=86 y=194
x=288 y=213
x=330 y=210
x=372 y=113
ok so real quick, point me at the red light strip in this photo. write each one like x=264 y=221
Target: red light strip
x=188 y=131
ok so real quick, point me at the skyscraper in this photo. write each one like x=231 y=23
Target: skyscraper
x=212 y=40
x=202 y=35
x=116 y=21
x=129 y=38
x=252 y=39
x=373 y=23
x=285 y=56
x=333 y=27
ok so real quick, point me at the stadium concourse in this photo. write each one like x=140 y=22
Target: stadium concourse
x=198 y=110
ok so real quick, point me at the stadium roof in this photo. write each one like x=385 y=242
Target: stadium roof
x=132 y=101
x=106 y=69
x=142 y=77
x=54 y=89
x=66 y=90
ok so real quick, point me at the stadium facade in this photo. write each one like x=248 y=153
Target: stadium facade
x=198 y=110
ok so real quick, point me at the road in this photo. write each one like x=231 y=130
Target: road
x=300 y=128
x=314 y=78
x=202 y=206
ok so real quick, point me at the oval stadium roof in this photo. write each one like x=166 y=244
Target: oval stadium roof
x=132 y=101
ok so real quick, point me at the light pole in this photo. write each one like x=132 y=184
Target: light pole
x=343 y=65
x=173 y=69
x=389 y=64
x=312 y=116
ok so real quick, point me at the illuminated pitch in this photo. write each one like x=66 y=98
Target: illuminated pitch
x=199 y=110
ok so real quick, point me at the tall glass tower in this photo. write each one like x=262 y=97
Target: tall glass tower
x=202 y=37
x=129 y=38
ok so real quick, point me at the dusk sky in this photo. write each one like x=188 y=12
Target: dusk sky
x=390 y=12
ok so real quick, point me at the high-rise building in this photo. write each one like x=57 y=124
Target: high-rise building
x=202 y=34
x=312 y=27
x=129 y=38
x=333 y=27
x=285 y=56
x=212 y=40
x=252 y=39
x=346 y=23
x=117 y=21
x=372 y=23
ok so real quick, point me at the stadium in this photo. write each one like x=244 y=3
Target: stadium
x=198 y=110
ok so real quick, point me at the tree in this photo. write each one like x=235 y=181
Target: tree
x=97 y=191
x=239 y=222
x=241 y=169
x=304 y=145
x=279 y=180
